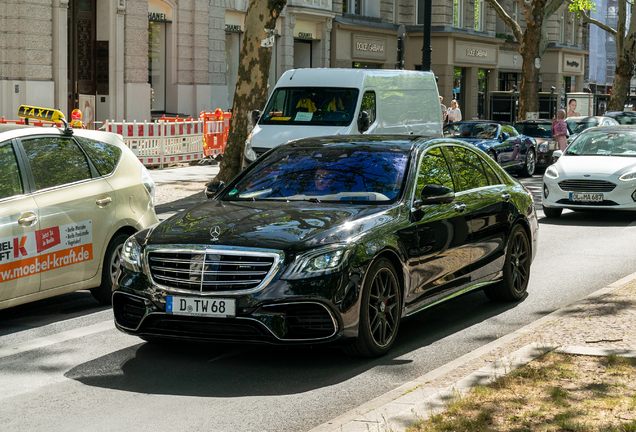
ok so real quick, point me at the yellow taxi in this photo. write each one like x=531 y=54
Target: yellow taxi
x=69 y=199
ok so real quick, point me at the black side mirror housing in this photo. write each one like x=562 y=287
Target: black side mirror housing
x=213 y=188
x=256 y=116
x=435 y=194
x=364 y=121
x=505 y=136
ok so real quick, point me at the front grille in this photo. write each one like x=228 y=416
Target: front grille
x=587 y=186
x=204 y=271
x=603 y=203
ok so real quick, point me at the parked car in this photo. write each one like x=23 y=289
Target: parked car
x=596 y=171
x=579 y=124
x=69 y=199
x=622 y=117
x=541 y=131
x=501 y=141
x=331 y=239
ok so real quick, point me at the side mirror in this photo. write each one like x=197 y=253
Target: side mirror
x=364 y=121
x=213 y=188
x=435 y=194
x=505 y=136
x=556 y=155
x=256 y=115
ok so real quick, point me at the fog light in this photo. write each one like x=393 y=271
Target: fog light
x=546 y=192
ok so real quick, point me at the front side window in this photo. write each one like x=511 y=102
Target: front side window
x=343 y=173
x=302 y=106
x=104 y=156
x=468 y=169
x=10 y=182
x=434 y=170
x=56 y=161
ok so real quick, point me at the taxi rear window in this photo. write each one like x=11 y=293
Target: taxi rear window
x=104 y=156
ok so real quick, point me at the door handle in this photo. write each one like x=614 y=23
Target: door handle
x=460 y=207
x=27 y=219
x=505 y=197
x=103 y=202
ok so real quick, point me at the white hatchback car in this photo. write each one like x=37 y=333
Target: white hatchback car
x=69 y=199
x=596 y=171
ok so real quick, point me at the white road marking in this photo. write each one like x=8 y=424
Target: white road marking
x=56 y=338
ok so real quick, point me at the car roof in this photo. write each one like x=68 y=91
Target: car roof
x=535 y=121
x=620 y=113
x=404 y=142
x=496 y=122
x=585 y=118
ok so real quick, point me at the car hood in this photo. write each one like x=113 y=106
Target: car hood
x=270 y=136
x=603 y=165
x=270 y=224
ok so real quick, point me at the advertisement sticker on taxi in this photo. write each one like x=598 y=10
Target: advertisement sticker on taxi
x=46 y=249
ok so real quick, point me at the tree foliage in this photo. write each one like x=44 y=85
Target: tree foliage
x=533 y=43
x=625 y=38
x=253 y=74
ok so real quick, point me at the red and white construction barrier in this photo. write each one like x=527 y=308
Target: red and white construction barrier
x=162 y=142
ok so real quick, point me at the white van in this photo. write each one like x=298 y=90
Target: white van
x=318 y=102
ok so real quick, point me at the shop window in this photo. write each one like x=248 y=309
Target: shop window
x=232 y=55
x=157 y=65
x=508 y=81
x=302 y=54
x=458 y=15
x=458 y=84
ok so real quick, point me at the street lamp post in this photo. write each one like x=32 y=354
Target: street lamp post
x=426 y=44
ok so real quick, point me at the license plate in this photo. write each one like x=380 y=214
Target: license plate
x=203 y=307
x=595 y=197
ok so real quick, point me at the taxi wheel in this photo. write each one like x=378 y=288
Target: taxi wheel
x=380 y=312
x=104 y=292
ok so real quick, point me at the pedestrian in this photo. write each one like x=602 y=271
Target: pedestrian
x=454 y=113
x=444 y=114
x=560 y=129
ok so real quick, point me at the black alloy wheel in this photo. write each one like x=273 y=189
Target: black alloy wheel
x=380 y=312
x=530 y=164
x=104 y=292
x=516 y=270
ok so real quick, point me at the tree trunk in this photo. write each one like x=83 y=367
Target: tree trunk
x=529 y=91
x=620 y=87
x=253 y=76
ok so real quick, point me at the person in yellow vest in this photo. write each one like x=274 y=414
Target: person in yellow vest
x=76 y=119
x=307 y=104
x=335 y=105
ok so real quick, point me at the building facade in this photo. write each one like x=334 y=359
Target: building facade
x=138 y=59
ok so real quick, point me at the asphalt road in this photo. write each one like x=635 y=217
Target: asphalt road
x=65 y=367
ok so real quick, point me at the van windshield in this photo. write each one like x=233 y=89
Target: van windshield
x=304 y=106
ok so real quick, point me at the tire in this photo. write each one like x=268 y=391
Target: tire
x=516 y=269
x=380 y=312
x=552 y=212
x=104 y=292
x=530 y=164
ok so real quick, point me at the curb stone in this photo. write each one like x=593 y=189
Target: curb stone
x=399 y=409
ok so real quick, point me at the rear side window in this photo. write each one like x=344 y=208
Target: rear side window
x=469 y=171
x=104 y=156
x=56 y=161
x=10 y=183
x=368 y=105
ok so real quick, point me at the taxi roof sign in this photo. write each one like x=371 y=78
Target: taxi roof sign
x=38 y=113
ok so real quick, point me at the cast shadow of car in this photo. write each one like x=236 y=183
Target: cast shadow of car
x=591 y=218
x=227 y=370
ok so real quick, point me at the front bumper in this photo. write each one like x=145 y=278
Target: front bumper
x=319 y=310
x=555 y=195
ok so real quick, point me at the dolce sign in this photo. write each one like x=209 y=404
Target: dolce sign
x=369 y=47
x=476 y=52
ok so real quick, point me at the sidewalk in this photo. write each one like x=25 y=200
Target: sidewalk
x=601 y=324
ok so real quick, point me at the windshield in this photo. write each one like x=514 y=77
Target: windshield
x=341 y=173
x=471 y=130
x=534 y=130
x=311 y=106
x=604 y=143
x=579 y=126
x=624 y=119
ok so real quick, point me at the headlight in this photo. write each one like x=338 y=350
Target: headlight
x=250 y=154
x=318 y=262
x=543 y=147
x=149 y=183
x=552 y=172
x=131 y=255
x=628 y=176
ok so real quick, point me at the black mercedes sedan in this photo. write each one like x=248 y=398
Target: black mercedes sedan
x=330 y=240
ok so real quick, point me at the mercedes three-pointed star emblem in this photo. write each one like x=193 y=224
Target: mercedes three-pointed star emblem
x=215 y=231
